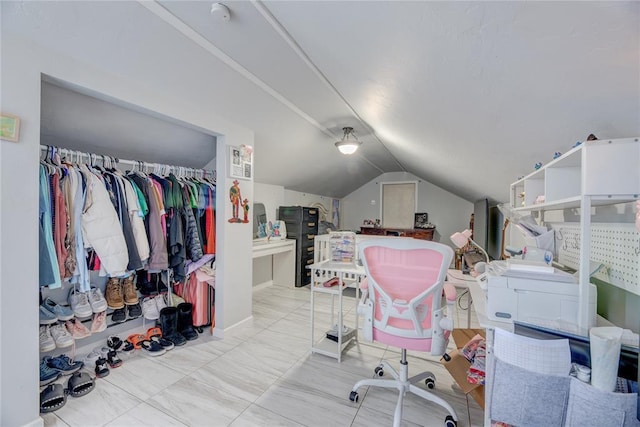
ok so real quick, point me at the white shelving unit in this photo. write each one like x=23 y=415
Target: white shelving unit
x=595 y=173
x=348 y=275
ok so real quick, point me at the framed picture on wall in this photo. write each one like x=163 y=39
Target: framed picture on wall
x=421 y=220
x=9 y=127
x=241 y=162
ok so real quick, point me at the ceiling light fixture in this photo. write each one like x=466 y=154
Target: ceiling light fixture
x=349 y=143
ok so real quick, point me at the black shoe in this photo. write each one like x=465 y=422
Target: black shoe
x=144 y=285
x=135 y=311
x=185 y=321
x=102 y=370
x=119 y=315
x=160 y=285
x=52 y=398
x=80 y=384
x=169 y=325
x=113 y=360
x=114 y=342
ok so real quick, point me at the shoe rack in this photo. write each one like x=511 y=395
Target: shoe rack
x=60 y=296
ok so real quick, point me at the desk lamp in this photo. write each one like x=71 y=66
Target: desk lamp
x=462 y=239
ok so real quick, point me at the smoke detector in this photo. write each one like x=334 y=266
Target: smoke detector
x=218 y=9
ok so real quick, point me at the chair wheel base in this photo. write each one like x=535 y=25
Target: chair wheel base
x=379 y=371
x=353 y=396
x=430 y=382
x=450 y=422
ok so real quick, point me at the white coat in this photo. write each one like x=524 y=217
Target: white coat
x=101 y=228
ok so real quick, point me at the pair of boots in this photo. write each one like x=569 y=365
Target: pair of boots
x=177 y=323
x=150 y=283
x=120 y=292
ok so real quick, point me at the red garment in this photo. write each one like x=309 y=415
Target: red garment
x=61 y=224
x=210 y=226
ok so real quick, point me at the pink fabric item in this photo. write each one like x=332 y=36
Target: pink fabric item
x=403 y=275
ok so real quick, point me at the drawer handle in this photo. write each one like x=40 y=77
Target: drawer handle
x=310 y=236
x=310 y=249
x=311 y=224
x=310 y=261
x=312 y=211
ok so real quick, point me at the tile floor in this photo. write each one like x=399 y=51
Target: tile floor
x=263 y=374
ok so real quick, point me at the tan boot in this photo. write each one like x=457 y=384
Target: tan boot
x=130 y=293
x=113 y=294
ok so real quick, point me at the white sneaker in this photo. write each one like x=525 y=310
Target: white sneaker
x=97 y=301
x=79 y=302
x=46 y=340
x=160 y=302
x=91 y=358
x=150 y=309
x=61 y=336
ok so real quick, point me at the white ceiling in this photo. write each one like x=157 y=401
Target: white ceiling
x=466 y=95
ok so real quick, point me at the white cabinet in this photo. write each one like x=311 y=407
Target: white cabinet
x=595 y=173
x=344 y=275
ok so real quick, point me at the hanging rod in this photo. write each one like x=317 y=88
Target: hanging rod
x=91 y=158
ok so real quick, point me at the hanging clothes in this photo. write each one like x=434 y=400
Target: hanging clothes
x=116 y=192
x=192 y=239
x=60 y=222
x=101 y=228
x=78 y=190
x=158 y=257
x=70 y=261
x=136 y=220
x=210 y=222
x=48 y=263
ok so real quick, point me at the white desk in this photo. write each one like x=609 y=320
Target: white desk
x=349 y=275
x=479 y=297
x=283 y=253
x=461 y=281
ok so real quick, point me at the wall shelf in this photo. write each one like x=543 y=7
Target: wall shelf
x=595 y=173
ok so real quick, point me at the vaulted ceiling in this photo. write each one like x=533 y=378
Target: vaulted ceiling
x=466 y=95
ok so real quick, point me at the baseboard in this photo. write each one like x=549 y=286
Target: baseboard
x=235 y=325
x=38 y=422
x=263 y=285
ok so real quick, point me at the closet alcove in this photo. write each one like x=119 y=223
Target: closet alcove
x=75 y=118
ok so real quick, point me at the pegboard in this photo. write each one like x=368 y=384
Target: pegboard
x=616 y=246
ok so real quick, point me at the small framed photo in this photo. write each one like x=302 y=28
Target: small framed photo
x=9 y=127
x=241 y=162
x=421 y=220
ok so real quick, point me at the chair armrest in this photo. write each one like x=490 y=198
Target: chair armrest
x=449 y=292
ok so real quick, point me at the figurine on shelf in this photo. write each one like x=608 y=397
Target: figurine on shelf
x=557 y=154
x=537 y=166
x=592 y=137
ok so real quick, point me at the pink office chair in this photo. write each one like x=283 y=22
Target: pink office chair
x=402 y=308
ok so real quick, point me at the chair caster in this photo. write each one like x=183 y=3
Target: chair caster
x=353 y=396
x=450 y=422
x=430 y=382
x=379 y=371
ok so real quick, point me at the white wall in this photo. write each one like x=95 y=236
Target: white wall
x=448 y=212
x=296 y=198
x=274 y=196
x=271 y=196
x=137 y=84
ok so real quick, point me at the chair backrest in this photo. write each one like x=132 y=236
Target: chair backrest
x=405 y=278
